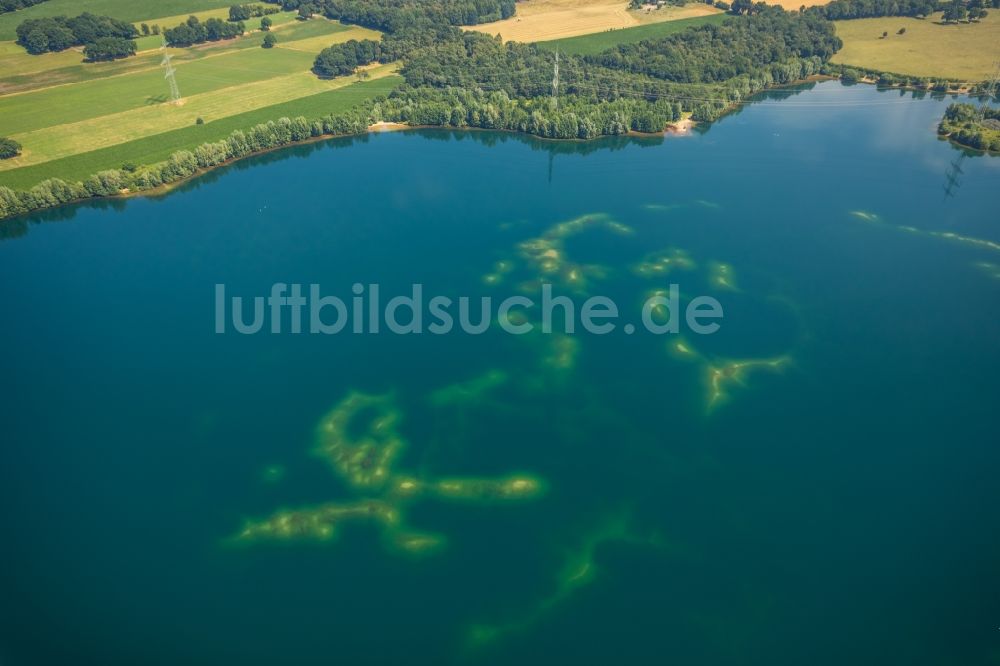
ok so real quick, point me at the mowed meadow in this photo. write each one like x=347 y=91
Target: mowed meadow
x=75 y=118
x=961 y=51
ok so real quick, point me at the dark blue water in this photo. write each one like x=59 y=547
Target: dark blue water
x=840 y=507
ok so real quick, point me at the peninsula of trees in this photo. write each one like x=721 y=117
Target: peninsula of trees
x=967 y=125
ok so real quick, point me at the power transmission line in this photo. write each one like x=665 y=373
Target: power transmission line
x=991 y=91
x=555 y=82
x=175 y=93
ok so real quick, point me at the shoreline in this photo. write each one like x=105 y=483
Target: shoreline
x=678 y=129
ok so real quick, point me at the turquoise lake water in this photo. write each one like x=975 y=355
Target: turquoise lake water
x=816 y=483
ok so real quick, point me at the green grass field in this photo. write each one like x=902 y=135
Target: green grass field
x=20 y=71
x=601 y=41
x=160 y=146
x=72 y=103
x=74 y=118
x=962 y=52
x=125 y=10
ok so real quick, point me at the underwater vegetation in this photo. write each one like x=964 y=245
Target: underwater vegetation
x=978 y=242
x=866 y=216
x=992 y=270
x=665 y=208
x=721 y=276
x=723 y=376
x=544 y=258
x=947 y=235
x=469 y=391
x=360 y=439
x=578 y=570
x=663 y=263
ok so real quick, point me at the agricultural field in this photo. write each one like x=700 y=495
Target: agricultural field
x=962 y=52
x=601 y=41
x=543 y=20
x=73 y=118
x=20 y=71
x=125 y=10
x=157 y=147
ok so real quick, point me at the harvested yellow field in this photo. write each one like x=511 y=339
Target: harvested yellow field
x=542 y=20
x=59 y=141
x=796 y=4
x=964 y=51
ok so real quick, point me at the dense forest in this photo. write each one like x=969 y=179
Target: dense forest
x=343 y=59
x=59 y=33
x=483 y=82
x=109 y=48
x=247 y=12
x=965 y=124
x=839 y=10
x=712 y=53
x=14 y=5
x=400 y=15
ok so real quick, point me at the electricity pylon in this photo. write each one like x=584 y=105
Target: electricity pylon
x=175 y=93
x=555 y=82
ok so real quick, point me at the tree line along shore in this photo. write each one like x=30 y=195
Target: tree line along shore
x=455 y=78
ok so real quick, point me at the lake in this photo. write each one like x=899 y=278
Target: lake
x=814 y=483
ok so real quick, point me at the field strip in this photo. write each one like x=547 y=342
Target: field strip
x=61 y=141
x=177 y=19
x=601 y=41
x=71 y=104
x=158 y=147
x=316 y=44
x=14 y=61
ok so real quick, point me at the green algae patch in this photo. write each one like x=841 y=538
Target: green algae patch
x=518 y=487
x=470 y=391
x=579 y=569
x=360 y=438
x=723 y=377
x=972 y=241
x=721 y=276
x=663 y=263
x=992 y=270
x=866 y=216
x=317 y=523
x=361 y=452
